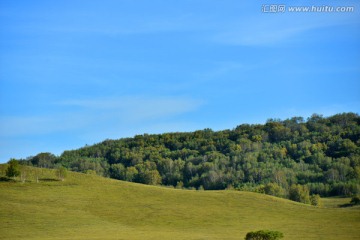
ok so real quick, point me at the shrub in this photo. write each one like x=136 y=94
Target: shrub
x=315 y=200
x=355 y=200
x=274 y=190
x=299 y=193
x=264 y=235
x=62 y=173
x=13 y=169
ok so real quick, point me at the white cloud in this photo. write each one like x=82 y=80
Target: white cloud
x=136 y=108
x=223 y=69
x=84 y=115
x=269 y=29
x=258 y=35
x=38 y=125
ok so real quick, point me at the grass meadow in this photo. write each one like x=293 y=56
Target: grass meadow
x=92 y=207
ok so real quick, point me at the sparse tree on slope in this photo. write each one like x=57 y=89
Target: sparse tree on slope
x=62 y=173
x=299 y=193
x=315 y=200
x=13 y=169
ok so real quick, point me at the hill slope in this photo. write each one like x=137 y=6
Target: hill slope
x=322 y=154
x=92 y=207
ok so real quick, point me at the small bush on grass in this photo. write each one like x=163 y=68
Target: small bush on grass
x=355 y=200
x=264 y=235
x=315 y=200
x=13 y=170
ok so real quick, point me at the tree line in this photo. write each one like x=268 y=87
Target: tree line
x=13 y=171
x=292 y=158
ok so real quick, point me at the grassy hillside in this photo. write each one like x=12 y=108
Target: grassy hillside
x=92 y=207
x=322 y=154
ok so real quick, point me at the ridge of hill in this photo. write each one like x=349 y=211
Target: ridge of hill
x=321 y=153
x=87 y=206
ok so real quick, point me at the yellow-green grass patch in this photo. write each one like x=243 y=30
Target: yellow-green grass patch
x=91 y=207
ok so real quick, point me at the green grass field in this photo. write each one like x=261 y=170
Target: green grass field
x=92 y=207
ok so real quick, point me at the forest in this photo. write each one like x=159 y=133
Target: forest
x=319 y=156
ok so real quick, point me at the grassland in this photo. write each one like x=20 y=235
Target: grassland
x=92 y=207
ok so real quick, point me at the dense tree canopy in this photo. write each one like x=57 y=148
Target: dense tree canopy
x=13 y=169
x=281 y=158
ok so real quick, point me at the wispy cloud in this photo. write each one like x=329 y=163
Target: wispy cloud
x=258 y=35
x=270 y=29
x=12 y=126
x=81 y=114
x=136 y=108
x=222 y=69
x=110 y=24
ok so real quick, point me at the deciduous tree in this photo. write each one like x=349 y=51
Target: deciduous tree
x=62 y=173
x=299 y=193
x=13 y=169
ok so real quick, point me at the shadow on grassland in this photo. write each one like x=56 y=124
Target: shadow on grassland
x=49 y=180
x=6 y=179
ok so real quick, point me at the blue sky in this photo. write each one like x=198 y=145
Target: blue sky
x=79 y=72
